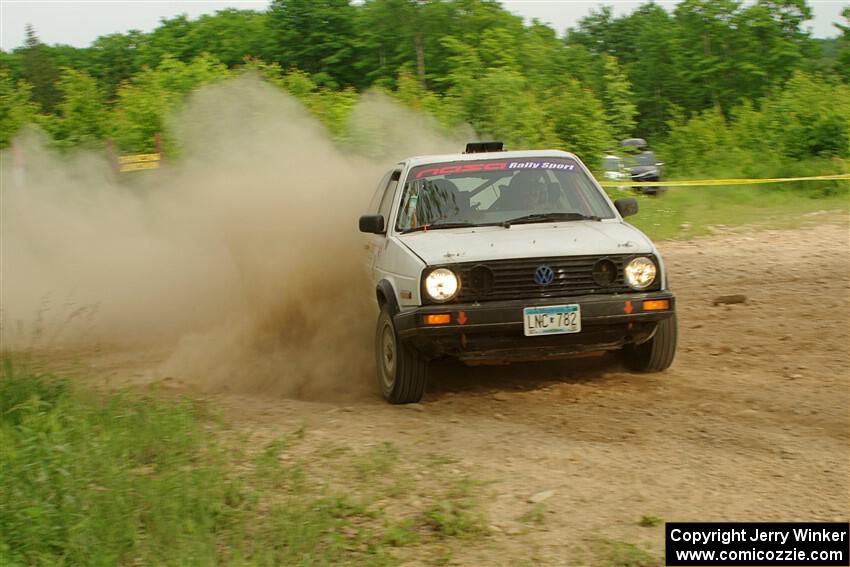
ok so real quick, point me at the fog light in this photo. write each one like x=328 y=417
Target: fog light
x=656 y=304
x=437 y=319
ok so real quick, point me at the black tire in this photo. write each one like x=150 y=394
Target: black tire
x=657 y=353
x=402 y=371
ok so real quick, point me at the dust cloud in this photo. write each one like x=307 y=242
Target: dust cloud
x=240 y=258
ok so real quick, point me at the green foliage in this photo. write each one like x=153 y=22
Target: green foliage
x=93 y=483
x=612 y=553
x=842 y=56
x=712 y=82
x=316 y=36
x=579 y=121
x=144 y=103
x=500 y=104
x=112 y=61
x=810 y=117
x=378 y=461
x=16 y=106
x=686 y=212
x=806 y=118
x=231 y=35
x=447 y=110
x=386 y=39
x=82 y=114
x=455 y=512
x=650 y=521
x=620 y=109
x=113 y=479
x=707 y=54
x=40 y=71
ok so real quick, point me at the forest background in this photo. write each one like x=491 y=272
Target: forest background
x=718 y=87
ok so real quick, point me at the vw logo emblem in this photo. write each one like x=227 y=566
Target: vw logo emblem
x=543 y=275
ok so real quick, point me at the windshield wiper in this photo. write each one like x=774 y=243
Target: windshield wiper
x=440 y=225
x=546 y=217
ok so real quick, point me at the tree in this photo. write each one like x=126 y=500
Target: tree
x=706 y=53
x=842 y=57
x=151 y=95
x=544 y=58
x=620 y=108
x=502 y=105
x=83 y=117
x=171 y=38
x=651 y=69
x=596 y=32
x=114 y=59
x=388 y=39
x=807 y=117
x=316 y=36
x=230 y=35
x=38 y=69
x=16 y=106
x=578 y=119
x=771 y=43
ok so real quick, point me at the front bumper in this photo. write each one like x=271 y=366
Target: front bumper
x=494 y=330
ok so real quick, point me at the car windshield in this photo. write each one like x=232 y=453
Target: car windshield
x=488 y=192
x=611 y=163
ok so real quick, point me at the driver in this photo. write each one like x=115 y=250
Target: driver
x=530 y=190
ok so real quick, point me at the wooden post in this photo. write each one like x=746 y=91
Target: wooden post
x=113 y=159
x=158 y=145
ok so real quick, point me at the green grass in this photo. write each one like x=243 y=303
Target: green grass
x=650 y=521
x=612 y=553
x=117 y=479
x=378 y=461
x=684 y=212
x=95 y=482
x=455 y=512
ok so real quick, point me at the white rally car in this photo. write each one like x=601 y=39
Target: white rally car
x=497 y=255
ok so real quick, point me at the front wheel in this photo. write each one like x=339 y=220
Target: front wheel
x=657 y=353
x=402 y=371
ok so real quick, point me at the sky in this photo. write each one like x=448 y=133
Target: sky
x=79 y=22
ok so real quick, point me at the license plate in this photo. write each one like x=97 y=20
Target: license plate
x=552 y=320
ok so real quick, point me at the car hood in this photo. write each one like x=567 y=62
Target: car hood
x=481 y=244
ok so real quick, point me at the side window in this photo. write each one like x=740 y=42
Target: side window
x=377 y=197
x=389 y=193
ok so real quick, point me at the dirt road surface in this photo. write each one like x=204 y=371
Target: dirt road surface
x=750 y=423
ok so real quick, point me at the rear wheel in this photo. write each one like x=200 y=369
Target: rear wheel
x=402 y=371
x=657 y=353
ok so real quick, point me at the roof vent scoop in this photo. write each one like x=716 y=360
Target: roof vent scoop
x=483 y=147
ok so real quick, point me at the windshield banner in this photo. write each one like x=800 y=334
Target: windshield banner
x=434 y=170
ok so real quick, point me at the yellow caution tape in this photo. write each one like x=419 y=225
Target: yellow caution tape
x=138 y=158
x=709 y=182
x=124 y=167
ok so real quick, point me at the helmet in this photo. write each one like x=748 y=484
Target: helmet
x=528 y=189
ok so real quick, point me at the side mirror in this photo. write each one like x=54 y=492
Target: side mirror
x=627 y=206
x=373 y=224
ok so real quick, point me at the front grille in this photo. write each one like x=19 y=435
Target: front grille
x=515 y=279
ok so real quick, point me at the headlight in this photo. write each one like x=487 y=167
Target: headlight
x=640 y=272
x=441 y=284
